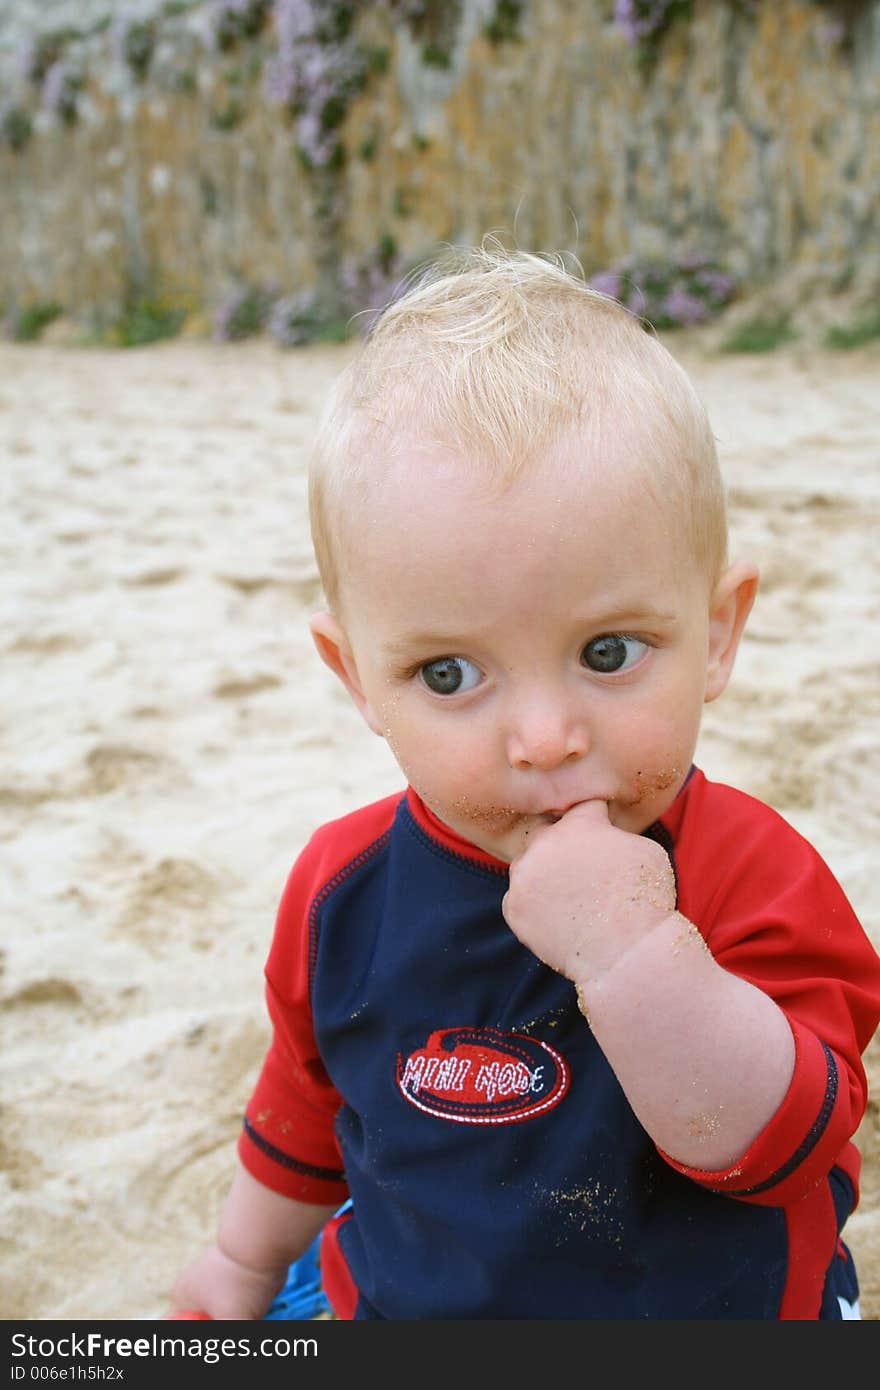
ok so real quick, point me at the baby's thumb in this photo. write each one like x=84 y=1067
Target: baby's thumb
x=594 y=812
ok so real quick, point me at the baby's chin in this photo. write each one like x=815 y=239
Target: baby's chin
x=496 y=829
x=482 y=816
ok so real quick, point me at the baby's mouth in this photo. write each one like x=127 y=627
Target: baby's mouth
x=555 y=813
x=499 y=819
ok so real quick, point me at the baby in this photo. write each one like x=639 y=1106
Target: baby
x=564 y=1029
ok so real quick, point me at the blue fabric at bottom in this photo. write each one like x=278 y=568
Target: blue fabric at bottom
x=302 y=1296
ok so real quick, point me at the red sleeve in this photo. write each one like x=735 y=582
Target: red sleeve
x=288 y=1141
x=772 y=912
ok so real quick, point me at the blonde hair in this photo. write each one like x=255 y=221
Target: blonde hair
x=494 y=353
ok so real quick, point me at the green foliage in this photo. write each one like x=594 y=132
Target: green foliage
x=16 y=128
x=669 y=294
x=209 y=196
x=433 y=56
x=334 y=111
x=302 y=318
x=434 y=23
x=137 y=44
x=27 y=324
x=146 y=321
x=182 y=80
x=645 y=23
x=336 y=21
x=228 y=117
x=232 y=23
x=386 y=253
x=378 y=60
x=865 y=329
x=242 y=315
x=845 y=16
x=63 y=102
x=503 y=25
x=44 y=51
x=762 y=333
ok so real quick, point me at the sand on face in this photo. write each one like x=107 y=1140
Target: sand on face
x=169 y=739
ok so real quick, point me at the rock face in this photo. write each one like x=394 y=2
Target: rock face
x=752 y=137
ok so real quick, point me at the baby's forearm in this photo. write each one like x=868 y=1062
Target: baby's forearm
x=260 y=1234
x=704 y=1058
x=263 y=1230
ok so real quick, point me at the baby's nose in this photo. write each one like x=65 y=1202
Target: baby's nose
x=545 y=738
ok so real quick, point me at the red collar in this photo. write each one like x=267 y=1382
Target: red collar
x=447 y=837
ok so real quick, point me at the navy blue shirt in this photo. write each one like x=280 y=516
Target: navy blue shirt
x=430 y=1067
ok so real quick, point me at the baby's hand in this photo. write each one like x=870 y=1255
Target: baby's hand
x=218 y=1285
x=582 y=893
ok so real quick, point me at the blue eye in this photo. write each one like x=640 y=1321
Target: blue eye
x=612 y=652
x=450 y=674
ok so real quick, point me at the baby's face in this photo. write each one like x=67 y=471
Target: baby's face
x=528 y=651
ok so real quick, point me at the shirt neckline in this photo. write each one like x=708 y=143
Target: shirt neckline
x=450 y=839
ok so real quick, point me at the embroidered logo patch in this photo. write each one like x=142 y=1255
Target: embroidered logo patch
x=481 y=1076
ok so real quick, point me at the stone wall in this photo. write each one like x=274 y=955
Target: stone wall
x=753 y=139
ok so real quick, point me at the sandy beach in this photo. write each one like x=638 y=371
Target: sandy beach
x=169 y=739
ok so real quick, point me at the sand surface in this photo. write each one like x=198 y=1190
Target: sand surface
x=169 y=739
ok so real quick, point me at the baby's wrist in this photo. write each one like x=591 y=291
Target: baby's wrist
x=256 y=1267
x=636 y=962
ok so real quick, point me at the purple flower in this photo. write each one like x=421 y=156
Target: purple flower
x=607 y=282
x=639 y=19
x=636 y=301
x=292 y=319
x=27 y=60
x=371 y=285
x=685 y=292
x=682 y=307
x=242 y=315
x=59 y=91
x=832 y=33
x=54 y=84
x=625 y=19
x=312 y=75
x=718 y=285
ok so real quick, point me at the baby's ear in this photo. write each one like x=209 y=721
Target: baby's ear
x=335 y=651
x=729 y=608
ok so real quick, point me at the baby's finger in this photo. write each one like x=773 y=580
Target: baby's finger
x=529 y=835
x=594 y=812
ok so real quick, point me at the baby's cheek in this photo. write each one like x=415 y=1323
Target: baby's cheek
x=648 y=790
x=647 y=783
x=407 y=741
x=388 y=718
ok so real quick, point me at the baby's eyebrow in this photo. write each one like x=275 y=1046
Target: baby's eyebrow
x=617 y=619
x=419 y=641
x=637 y=616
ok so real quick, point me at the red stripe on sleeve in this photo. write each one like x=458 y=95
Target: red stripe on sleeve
x=288 y=1142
